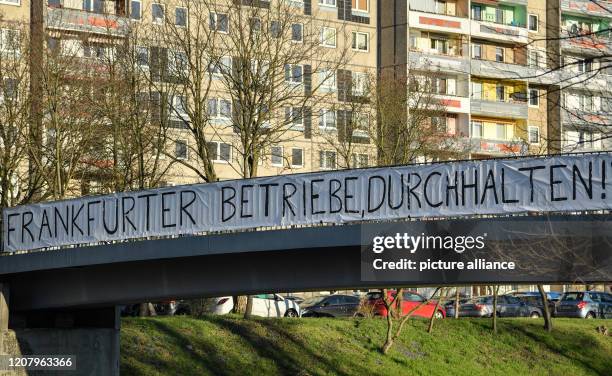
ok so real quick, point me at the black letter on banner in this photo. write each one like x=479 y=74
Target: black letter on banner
x=147 y=198
x=89 y=217
x=44 y=222
x=503 y=183
x=474 y=186
x=390 y=193
x=57 y=215
x=413 y=188
x=244 y=201
x=450 y=187
x=185 y=206
x=491 y=179
x=227 y=201
x=384 y=192
x=531 y=170
x=166 y=210
x=286 y=197
x=126 y=212
x=73 y=219
x=267 y=198
x=589 y=189
x=333 y=193
x=347 y=196
x=425 y=186
x=10 y=229
x=24 y=225
x=314 y=197
x=108 y=230
x=554 y=182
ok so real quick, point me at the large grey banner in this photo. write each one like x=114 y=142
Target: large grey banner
x=560 y=183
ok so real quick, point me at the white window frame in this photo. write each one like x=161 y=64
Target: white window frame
x=323 y=124
x=327 y=3
x=156 y=20
x=529 y=129
x=223 y=61
x=138 y=50
x=537 y=96
x=358 y=130
x=325 y=40
x=218 y=114
x=323 y=161
x=186 y=142
x=139 y=9
x=355 y=35
x=327 y=80
x=537 y=23
x=294 y=165
x=474 y=49
x=217 y=158
x=480 y=123
x=282 y=156
x=359 y=82
x=296 y=126
x=16 y=3
x=186 y=16
x=175 y=114
x=216 y=17
x=505 y=126
x=291 y=78
x=367 y=10
x=356 y=163
x=503 y=54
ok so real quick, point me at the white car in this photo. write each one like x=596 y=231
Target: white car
x=265 y=305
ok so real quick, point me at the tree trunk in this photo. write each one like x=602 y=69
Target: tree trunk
x=249 y=307
x=443 y=292
x=389 y=340
x=146 y=309
x=495 y=288
x=240 y=303
x=457 y=302
x=547 y=314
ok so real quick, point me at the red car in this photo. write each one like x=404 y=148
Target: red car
x=410 y=300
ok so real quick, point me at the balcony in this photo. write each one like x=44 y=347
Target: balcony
x=439 y=22
x=499 y=32
x=495 y=69
x=585 y=119
x=455 y=104
x=498 y=147
x=83 y=21
x=512 y=110
x=587 y=7
x=420 y=60
x=585 y=43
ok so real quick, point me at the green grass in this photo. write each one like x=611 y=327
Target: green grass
x=229 y=345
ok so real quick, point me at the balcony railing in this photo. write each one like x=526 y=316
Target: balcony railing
x=501 y=32
x=587 y=7
x=84 y=21
x=509 y=109
x=496 y=69
x=498 y=147
x=424 y=61
x=585 y=41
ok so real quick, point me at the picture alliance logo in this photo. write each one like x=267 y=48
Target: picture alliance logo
x=414 y=243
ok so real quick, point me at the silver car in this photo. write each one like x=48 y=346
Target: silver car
x=585 y=305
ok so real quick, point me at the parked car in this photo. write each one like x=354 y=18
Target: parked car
x=410 y=300
x=297 y=299
x=585 y=304
x=336 y=305
x=507 y=306
x=265 y=305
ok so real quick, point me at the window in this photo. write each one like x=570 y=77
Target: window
x=297 y=34
x=9 y=40
x=157 y=13
x=178 y=64
x=327 y=77
x=219 y=152
x=135 y=10
x=179 y=107
x=219 y=22
x=276 y=156
x=534 y=97
x=221 y=65
x=293 y=74
x=585 y=65
x=142 y=57
x=327 y=159
x=534 y=134
x=477 y=90
x=476 y=129
x=359 y=160
x=361 y=124
x=477 y=12
x=359 y=83
x=275 y=29
x=297 y=157
x=500 y=92
x=255 y=23
x=500 y=131
x=180 y=149
x=9 y=90
x=327 y=119
x=533 y=22
x=327 y=3
x=361 y=41
x=533 y=58
x=439 y=46
x=180 y=16
x=219 y=108
x=360 y=5
x=328 y=37
x=499 y=54
x=293 y=117
x=477 y=51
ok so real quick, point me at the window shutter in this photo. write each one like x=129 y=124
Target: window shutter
x=236 y=116
x=307 y=122
x=341 y=124
x=307 y=80
x=343 y=81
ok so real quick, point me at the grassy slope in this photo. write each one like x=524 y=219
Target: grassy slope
x=230 y=345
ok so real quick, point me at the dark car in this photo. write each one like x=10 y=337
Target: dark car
x=336 y=305
x=534 y=299
x=585 y=304
x=507 y=306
